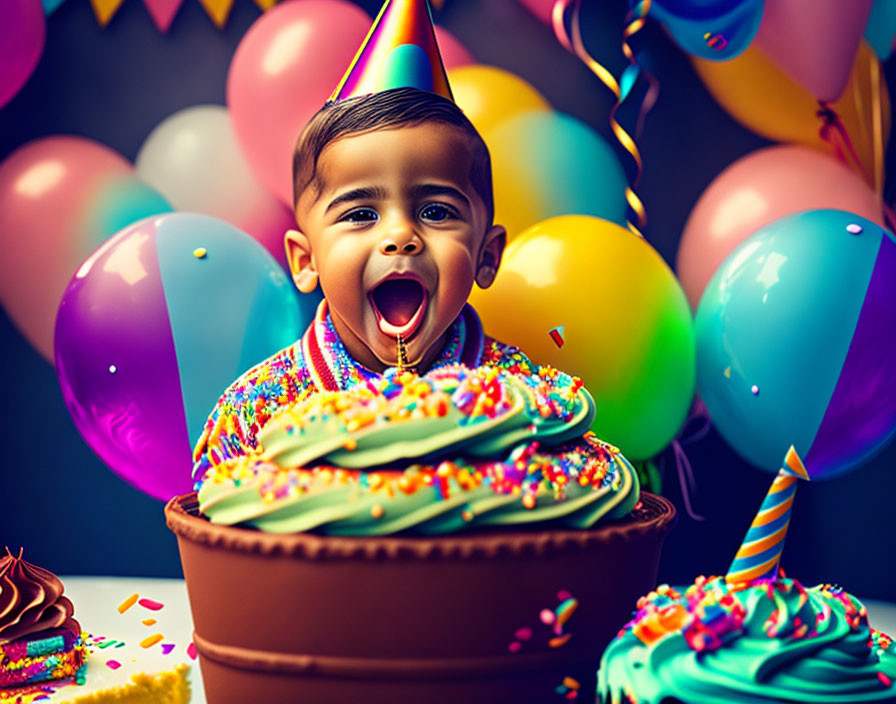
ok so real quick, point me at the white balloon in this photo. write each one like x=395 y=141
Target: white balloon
x=193 y=159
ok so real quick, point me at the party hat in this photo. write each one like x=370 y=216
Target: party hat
x=759 y=554
x=400 y=51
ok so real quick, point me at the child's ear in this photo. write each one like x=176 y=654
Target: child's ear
x=490 y=255
x=301 y=263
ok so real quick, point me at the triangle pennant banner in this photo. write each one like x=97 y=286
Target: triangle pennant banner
x=265 y=5
x=105 y=9
x=162 y=12
x=218 y=10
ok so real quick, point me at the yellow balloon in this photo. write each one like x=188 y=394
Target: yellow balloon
x=624 y=320
x=765 y=100
x=488 y=95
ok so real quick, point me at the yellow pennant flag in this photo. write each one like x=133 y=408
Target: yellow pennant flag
x=265 y=5
x=105 y=9
x=218 y=10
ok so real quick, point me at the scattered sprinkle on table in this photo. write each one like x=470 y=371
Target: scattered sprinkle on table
x=148 y=622
x=191 y=650
x=167 y=648
x=150 y=641
x=114 y=664
x=128 y=603
x=150 y=604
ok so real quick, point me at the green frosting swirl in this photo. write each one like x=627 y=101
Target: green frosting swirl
x=766 y=641
x=455 y=449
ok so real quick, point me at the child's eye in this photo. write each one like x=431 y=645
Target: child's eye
x=436 y=212
x=361 y=215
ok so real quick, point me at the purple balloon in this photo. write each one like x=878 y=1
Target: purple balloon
x=152 y=329
x=123 y=389
x=22 y=33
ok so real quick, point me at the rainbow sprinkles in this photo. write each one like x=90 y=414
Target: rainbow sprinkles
x=456 y=448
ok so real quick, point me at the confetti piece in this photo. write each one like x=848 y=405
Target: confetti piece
x=571 y=683
x=563 y=594
x=376 y=511
x=854 y=229
x=128 y=603
x=119 y=644
x=886 y=681
x=515 y=646
x=715 y=41
x=191 y=651
x=559 y=640
x=150 y=604
x=547 y=617
x=566 y=610
x=557 y=335
x=200 y=252
x=167 y=648
x=727 y=372
x=106 y=644
x=148 y=622
x=754 y=390
x=114 y=664
x=150 y=641
x=112 y=369
x=523 y=634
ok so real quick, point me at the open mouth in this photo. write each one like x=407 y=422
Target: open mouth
x=399 y=304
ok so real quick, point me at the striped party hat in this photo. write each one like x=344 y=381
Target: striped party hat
x=400 y=51
x=759 y=554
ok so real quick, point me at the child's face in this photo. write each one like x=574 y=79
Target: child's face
x=396 y=233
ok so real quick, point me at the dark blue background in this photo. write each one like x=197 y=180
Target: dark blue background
x=114 y=85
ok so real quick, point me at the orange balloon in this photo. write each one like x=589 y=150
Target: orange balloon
x=765 y=100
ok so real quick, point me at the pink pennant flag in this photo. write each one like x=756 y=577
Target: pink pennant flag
x=163 y=12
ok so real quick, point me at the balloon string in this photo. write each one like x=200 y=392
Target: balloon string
x=834 y=133
x=686 y=479
x=877 y=149
x=572 y=42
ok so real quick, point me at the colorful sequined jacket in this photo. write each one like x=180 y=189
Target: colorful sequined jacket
x=318 y=361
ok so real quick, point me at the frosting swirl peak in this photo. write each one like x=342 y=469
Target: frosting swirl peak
x=31 y=600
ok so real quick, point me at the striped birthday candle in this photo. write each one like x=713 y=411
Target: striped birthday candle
x=760 y=552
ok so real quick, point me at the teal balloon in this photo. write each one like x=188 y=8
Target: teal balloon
x=547 y=164
x=794 y=339
x=121 y=202
x=229 y=314
x=881 y=28
x=717 y=30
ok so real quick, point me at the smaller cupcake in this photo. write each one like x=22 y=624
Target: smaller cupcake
x=753 y=636
x=39 y=639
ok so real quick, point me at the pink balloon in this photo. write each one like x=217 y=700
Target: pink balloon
x=60 y=198
x=22 y=34
x=542 y=9
x=757 y=189
x=453 y=52
x=814 y=41
x=283 y=71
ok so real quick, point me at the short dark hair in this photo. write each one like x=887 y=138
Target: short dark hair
x=397 y=107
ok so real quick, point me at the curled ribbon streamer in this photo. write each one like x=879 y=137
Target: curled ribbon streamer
x=573 y=43
x=834 y=133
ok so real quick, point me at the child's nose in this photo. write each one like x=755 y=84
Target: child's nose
x=401 y=239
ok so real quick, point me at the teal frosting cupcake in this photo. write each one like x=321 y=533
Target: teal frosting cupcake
x=767 y=640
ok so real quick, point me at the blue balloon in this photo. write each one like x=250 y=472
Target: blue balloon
x=717 y=30
x=881 y=28
x=794 y=342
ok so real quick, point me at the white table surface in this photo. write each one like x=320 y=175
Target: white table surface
x=96 y=601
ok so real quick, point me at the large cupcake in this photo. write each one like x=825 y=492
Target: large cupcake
x=753 y=636
x=445 y=538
